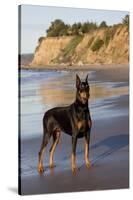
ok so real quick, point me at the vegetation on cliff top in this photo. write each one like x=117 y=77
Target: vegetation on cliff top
x=59 y=28
x=88 y=43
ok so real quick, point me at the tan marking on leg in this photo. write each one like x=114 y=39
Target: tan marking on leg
x=88 y=164
x=73 y=160
x=40 y=163
x=53 y=149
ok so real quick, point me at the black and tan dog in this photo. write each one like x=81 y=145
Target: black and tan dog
x=74 y=120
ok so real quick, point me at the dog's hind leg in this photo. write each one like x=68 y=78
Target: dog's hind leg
x=56 y=137
x=45 y=141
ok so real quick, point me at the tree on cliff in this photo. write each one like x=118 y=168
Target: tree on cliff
x=57 y=28
x=103 y=24
x=125 y=20
x=75 y=28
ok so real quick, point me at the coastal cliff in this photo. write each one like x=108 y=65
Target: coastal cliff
x=102 y=46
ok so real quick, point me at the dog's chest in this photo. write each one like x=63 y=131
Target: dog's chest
x=81 y=125
x=82 y=121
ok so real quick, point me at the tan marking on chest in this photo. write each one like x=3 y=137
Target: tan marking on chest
x=81 y=124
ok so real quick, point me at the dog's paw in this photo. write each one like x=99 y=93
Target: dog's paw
x=74 y=170
x=40 y=169
x=51 y=165
x=88 y=164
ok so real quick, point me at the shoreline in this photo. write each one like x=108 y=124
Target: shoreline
x=111 y=72
x=74 y=67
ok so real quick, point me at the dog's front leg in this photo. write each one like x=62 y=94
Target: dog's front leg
x=87 y=141
x=73 y=158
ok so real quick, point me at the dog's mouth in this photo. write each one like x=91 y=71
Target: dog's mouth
x=84 y=100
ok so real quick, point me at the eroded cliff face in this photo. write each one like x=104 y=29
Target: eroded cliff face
x=48 y=50
x=103 y=46
x=115 y=51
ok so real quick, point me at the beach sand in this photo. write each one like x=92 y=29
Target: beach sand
x=109 y=148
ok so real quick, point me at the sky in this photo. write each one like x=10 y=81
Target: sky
x=35 y=20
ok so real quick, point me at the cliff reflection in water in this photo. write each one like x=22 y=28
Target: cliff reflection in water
x=61 y=92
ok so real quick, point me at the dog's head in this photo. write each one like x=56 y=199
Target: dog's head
x=83 y=90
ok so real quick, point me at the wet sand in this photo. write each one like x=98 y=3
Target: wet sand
x=109 y=149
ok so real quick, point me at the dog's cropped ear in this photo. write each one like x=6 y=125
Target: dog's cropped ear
x=78 y=81
x=86 y=80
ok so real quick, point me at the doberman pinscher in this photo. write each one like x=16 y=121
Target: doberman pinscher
x=74 y=120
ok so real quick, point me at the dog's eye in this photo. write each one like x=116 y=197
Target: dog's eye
x=81 y=90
